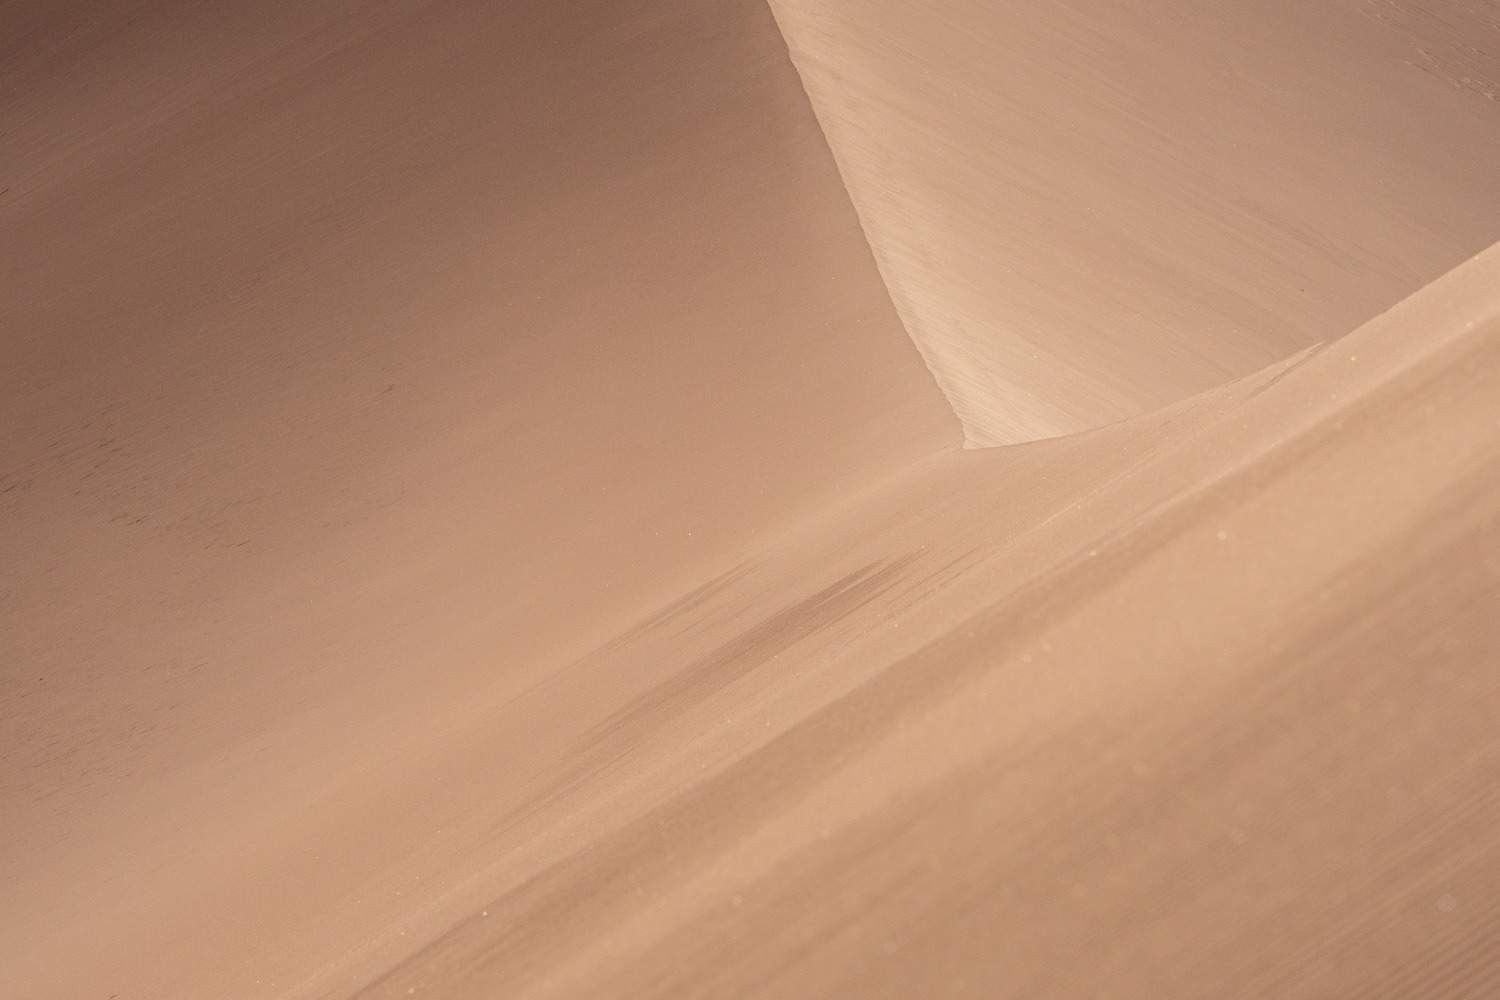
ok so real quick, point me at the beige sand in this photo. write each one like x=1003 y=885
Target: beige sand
x=1085 y=211
x=472 y=523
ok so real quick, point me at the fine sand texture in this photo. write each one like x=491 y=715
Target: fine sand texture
x=484 y=510
x=1199 y=706
x=356 y=369
x=1086 y=211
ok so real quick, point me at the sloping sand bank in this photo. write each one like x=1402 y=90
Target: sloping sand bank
x=1201 y=704
x=1085 y=212
x=356 y=369
x=474 y=524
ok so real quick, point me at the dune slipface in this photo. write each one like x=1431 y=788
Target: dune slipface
x=473 y=524
x=1087 y=211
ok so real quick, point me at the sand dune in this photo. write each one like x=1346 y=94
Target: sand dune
x=473 y=521
x=357 y=369
x=1086 y=212
x=1202 y=704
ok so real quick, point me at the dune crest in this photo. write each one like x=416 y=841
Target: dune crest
x=1085 y=212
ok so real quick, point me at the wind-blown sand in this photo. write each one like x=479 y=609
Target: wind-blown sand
x=1199 y=707
x=473 y=523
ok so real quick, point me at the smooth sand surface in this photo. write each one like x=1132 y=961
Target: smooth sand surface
x=1085 y=212
x=473 y=523
x=1199 y=706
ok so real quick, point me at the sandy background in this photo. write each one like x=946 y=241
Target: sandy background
x=483 y=512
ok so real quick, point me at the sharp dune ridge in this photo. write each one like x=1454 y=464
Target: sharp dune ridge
x=475 y=523
x=1086 y=213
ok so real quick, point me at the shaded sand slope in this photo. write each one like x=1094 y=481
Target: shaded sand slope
x=355 y=366
x=1087 y=211
x=1198 y=704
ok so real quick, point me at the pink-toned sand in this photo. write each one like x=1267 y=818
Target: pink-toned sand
x=484 y=512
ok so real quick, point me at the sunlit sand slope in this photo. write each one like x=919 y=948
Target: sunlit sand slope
x=1200 y=704
x=1087 y=211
